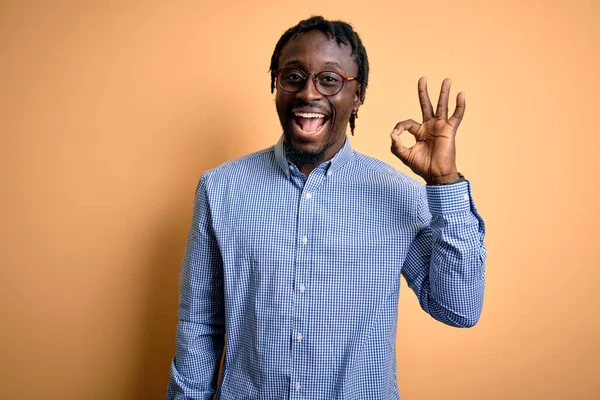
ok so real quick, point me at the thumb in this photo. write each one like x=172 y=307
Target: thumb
x=398 y=149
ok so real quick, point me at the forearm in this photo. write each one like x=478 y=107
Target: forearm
x=200 y=342
x=451 y=283
x=456 y=270
x=195 y=366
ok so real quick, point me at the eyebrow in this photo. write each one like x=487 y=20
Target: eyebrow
x=334 y=63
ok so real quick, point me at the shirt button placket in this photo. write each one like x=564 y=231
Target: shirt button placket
x=303 y=266
x=301 y=270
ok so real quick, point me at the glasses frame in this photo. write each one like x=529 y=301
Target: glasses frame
x=314 y=80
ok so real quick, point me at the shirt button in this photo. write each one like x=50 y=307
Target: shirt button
x=466 y=196
x=328 y=173
x=302 y=288
x=299 y=337
x=304 y=240
x=298 y=387
x=308 y=195
x=291 y=168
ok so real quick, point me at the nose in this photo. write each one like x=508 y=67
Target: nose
x=309 y=92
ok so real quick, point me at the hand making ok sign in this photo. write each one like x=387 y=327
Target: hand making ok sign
x=433 y=157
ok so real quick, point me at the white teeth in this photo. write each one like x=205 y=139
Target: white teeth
x=309 y=115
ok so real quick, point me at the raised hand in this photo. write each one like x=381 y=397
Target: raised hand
x=433 y=157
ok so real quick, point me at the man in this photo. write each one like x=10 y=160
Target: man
x=295 y=252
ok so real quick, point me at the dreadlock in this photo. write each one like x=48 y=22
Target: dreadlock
x=343 y=33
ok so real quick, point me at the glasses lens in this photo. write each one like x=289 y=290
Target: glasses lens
x=329 y=83
x=291 y=79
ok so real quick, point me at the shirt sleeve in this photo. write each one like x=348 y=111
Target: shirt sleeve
x=200 y=331
x=445 y=264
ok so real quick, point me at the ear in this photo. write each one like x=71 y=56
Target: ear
x=356 y=101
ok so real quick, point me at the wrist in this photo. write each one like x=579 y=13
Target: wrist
x=446 y=179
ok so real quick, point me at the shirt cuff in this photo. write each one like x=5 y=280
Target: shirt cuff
x=443 y=199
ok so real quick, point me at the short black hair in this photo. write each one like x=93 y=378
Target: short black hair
x=342 y=32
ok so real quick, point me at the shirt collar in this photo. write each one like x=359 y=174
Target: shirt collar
x=344 y=155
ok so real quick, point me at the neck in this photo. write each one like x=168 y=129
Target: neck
x=306 y=169
x=305 y=161
x=308 y=161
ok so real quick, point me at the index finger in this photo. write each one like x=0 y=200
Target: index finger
x=426 y=107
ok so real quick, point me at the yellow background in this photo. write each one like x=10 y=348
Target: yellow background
x=111 y=110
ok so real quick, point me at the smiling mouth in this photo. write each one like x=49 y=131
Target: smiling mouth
x=309 y=123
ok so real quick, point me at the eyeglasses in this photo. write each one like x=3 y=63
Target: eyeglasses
x=328 y=83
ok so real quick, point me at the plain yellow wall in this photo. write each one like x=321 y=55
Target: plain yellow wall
x=110 y=112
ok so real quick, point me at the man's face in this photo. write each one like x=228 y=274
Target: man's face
x=312 y=140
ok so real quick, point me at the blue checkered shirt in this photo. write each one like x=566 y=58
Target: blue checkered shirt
x=302 y=275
